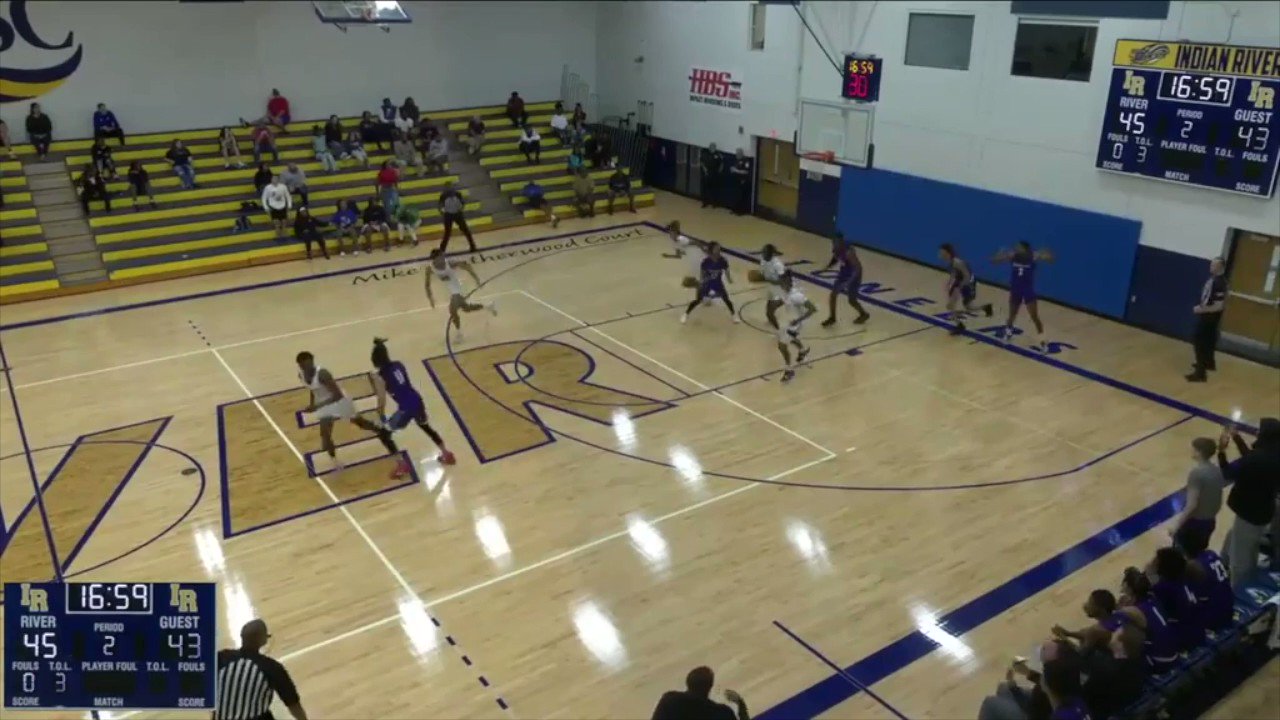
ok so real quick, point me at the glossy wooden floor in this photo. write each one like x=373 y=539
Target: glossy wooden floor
x=681 y=503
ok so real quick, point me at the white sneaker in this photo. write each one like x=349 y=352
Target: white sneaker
x=493 y=307
x=338 y=466
x=457 y=337
x=736 y=319
x=684 y=318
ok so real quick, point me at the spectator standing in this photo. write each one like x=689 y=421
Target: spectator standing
x=531 y=144
x=1203 y=495
x=102 y=159
x=437 y=155
x=387 y=185
x=229 y=147
x=93 y=187
x=741 y=172
x=584 y=193
x=320 y=147
x=264 y=138
x=39 y=131
x=105 y=124
x=4 y=138
x=1254 y=479
x=179 y=158
x=475 y=135
x=410 y=110
x=579 y=115
x=620 y=184
x=452 y=211
x=354 y=147
x=1208 y=316
x=408 y=220
x=536 y=199
x=295 y=178
x=375 y=220
x=346 y=220
x=695 y=701
x=575 y=161
x=406 y=154
x=515 y=110
x=712 y=166
x=560 y=124
x=140 y=184
x=247 y=680
x=277 y=201
x=307 y=229
x=261 y=178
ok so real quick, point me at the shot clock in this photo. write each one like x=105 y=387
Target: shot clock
x=95 y=646
x=862 y=78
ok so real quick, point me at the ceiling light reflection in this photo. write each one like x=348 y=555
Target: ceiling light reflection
x=927 y=623
x=649 y=542
x=624 y=429
x=209 y=548
x=238 y=606
x=809 y=544
x=598 y=635
x=686 y=464
x=416 y=623
x=493 y=538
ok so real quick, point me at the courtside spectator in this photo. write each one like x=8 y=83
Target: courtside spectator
x=277 y=201
x=741 y=173
x=1011 y=701
x=333 y=137
x=437 y=155
x=408 y=220
x=515 y=110
x=475 y=135
x=261 y=178
x=39 y=131
x=712 y=167
x=620 y=184
x=263 y=137
x=179 y=158
x=1254 y=477
x=1203 y=496
x=695 y=701
x=584 y=191
x=560 y=124
x=370 y=131
x=1114 y=679
x=387 y=185
x=536 y=199
x=295 y=178
x=531 y=144
x=105 y=124
x=229 y=147
x=410 y=109
x=140 y=184
x=346 y=220
x=406 y=154
x=1061 y=682
x=307 y=229
x=354 y=147
x=320 y=147
x=93 y=187
x=4 y=138
x=375 y=220
x=102 y=159
x=247 y=680
x=451 y=211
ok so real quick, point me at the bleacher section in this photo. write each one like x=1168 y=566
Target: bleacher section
x=24 y=256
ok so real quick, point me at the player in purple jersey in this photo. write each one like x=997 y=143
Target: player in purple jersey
x=1102 y=609
x=1022 y=285
x=1139 y=604
x=1179 y=604
x=1208 y=578
x=714 y=270
x=848 y=281
x=961 y=288
x=392 y=379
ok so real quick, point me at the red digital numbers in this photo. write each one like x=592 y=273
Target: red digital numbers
x=857 y=87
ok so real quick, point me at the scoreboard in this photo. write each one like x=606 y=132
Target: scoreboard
x=1196 y=114
x=862 y=78
x=97 y=646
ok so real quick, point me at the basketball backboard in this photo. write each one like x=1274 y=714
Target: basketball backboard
x=367 y=13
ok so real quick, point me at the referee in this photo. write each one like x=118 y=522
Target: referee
x=247 y=680
x=1208 y=316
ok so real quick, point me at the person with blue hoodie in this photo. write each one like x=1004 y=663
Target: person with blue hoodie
x=345 y=221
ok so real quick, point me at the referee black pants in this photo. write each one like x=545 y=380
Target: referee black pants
x=1205 y=340
x=450 y=219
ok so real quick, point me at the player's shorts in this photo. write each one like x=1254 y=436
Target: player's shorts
x=456 y=302
x=964 y=293
x=401 y=417
x=1022 y=296
x=343 y=409
x=788 y=332
x=776 y=294
x=847 y=284
x=714 y=288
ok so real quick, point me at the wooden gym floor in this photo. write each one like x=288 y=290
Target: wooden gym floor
x=633 y=497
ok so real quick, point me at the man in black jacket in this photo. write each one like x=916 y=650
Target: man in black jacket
x=712 y=166
x=695 y=702
x=1254 y=479
x=1115 y=678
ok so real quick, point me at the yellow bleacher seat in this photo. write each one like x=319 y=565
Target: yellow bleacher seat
x=21 y=231
x=505 y=159
x=602 y=204
x=563 y=179
x=18 y=214
x=19 y=181
x=33 y=248
x=502 y=118
x=9 y=291
x=24 y=268
x=18 y=197
x=558 y=194
x=12 y=166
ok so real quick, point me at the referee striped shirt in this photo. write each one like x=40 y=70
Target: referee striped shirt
x=247 y=680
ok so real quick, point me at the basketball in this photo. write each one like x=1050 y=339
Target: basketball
x=689 y=282
x=755 y=276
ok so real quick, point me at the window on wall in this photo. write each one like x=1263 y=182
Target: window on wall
x=939 y=41
x=758 y=11
x=1056 y=50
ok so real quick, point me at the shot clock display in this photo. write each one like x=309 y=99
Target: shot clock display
x=94 y=646
x=1197 y=114
x=862 y=78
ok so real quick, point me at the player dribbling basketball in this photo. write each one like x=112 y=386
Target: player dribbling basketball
x=714 y=271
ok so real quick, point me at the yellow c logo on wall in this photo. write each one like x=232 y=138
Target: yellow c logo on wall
x=18 y=84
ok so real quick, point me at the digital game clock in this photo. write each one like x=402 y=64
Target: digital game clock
x=862 y=78
x=95 y=646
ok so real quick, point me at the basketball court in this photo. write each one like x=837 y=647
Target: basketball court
x=633 y=497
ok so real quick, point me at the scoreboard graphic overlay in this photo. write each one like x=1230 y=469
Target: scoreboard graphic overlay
x=95 y=646
x=1195 y=114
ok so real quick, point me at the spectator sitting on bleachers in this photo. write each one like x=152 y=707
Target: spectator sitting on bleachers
x=105 y=124
x=404 y=151
x=403 y=124
x=1255 y=479
x=584 y=190
x=179 y=158
x=577 y=133
x=295 y=178
x=515 y=110
x=229 y=147
x=102 y=159
x=374 y=220
x=333 y=137
x=620 y=184
x=264 y=138
x=408 y=220
x=1209 y=579
x=4 y=138
x=370 y=131
x=261 y=178
x=1177 y=602
x=320 y=149
x=389 y=111
x=93 y=187
x=277 y=201
x=307 y=229
x=410 y=110
x=437 y=155
x=346 y=219
x=560 y=124
x=536 y=199
x=387 y=185
x=427 y=130
x=140 y=184
x=576 y=161
x=695 y=700
x=278 y=114
x=475 y=135
x=39 y=131
x=354 y=147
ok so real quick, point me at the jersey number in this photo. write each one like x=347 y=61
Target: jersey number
x=399 y=374
x=1219 y=570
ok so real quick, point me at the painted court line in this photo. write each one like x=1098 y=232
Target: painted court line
x=679 y=374
x=827 y=661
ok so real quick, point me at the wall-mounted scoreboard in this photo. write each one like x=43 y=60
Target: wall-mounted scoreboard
x=862 y=78
x=1196 y=114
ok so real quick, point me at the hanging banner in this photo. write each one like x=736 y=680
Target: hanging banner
x=716 y=88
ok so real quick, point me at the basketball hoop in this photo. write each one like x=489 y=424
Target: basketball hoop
x=826 y=156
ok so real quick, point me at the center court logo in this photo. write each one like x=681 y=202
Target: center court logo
x=716 y=88
x=19 y=84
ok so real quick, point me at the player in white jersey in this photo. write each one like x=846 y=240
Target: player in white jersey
x=329 y=404
x=771 y=271
x=446 y=270
x=799 y=308
x=695 y=251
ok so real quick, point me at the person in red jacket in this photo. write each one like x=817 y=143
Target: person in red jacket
x=277 y=113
